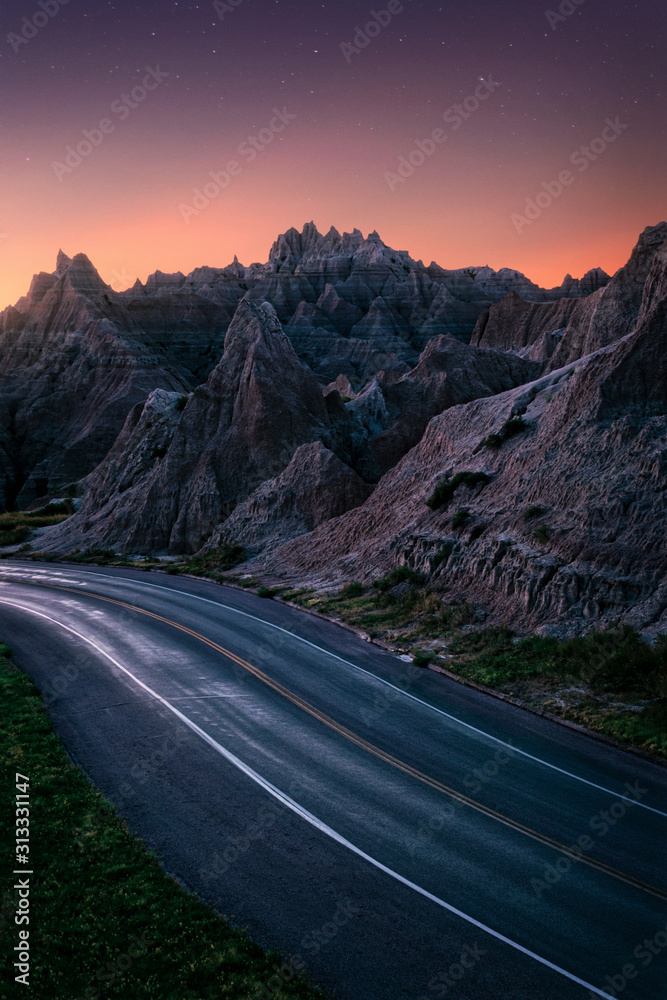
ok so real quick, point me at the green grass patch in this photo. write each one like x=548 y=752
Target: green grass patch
x=422 y=658
x=16 y=526
x=34 y=519
x=445 y=490
x=219 y=560
x=15 y=536
x=107 y=918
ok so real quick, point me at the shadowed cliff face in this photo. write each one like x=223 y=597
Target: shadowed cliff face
x=73 y=363
x=75 y=356
x=242 y=432
x=238 y=429
x=569 y=530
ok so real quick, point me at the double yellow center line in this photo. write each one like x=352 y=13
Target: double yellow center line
x=363 y=744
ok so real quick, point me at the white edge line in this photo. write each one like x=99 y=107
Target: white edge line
x=394 y=687
x=294 y=806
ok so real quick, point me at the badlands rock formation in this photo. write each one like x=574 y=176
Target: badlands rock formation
x=568 y=532
x=75 y=356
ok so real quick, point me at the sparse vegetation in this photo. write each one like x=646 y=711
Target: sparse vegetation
x=101 y=556
x=442 y=554
x=461 y=518
x=445 y=490
x=213 y=562
x=542 y=534
x=511 y=427
x=612 y=681
x=181 y=402
x=402 y=574
x=493 y=441
x=535 y=510
x=267 y=592
x=17 y=526
x=352 y=590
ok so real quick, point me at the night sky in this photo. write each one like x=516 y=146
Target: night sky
x=221 y=71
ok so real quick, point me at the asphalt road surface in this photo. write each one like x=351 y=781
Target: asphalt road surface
x=405 y=836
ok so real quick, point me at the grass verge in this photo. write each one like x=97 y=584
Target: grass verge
x=611 y=682
x=106 y=921
x=17 y=526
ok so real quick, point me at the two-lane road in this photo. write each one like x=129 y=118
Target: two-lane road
x=406 y=836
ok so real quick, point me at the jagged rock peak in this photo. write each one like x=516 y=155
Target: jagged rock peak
x=62 y=263
x=653 y=235
x=83 y=276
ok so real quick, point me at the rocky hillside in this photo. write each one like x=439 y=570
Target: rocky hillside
x=172 y=478
x=561 y=523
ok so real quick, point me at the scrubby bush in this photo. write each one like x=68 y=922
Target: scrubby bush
x=442 y=554
x=461 y=517
x=541 y=534
x=511 y=427
x=422 y=658
x=402 y=574
x=64 y=507
x=14 y=536
x=445 y=490
x=351 y=590
x=535 y=510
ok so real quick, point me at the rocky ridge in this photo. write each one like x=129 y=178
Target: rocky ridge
x=76 y=356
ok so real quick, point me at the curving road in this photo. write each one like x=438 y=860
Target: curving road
x=404 y=836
